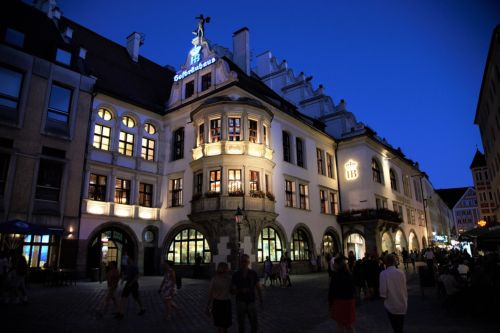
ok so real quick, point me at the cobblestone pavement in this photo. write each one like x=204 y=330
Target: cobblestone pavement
x=302 y=308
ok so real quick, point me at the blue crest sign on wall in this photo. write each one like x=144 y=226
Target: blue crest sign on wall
x=200 y=55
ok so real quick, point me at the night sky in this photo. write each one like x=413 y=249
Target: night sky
x=411 y=70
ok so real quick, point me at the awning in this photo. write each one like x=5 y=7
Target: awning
x=25 y=228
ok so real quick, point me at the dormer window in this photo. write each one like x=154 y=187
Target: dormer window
x=14 y=37
x=189 y=89
x=64 y=57
x=206 y=81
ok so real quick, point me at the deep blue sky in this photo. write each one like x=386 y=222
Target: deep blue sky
x=410 y=69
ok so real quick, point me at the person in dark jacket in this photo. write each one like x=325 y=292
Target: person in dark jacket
x=341 y=296
x=358 y=275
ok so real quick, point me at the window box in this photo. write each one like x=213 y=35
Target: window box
x=270 y=196
x=257 y=194
x=238 y=193
x=212 y=194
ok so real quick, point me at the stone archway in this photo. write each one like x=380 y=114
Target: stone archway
x=386 y=242
x=356 y=243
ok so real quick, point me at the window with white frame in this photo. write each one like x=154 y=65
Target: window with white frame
x=176 y=192
x=234 y=129
x=320 y=162
x=289 y=193
x=234 y=184
x=214 y=182
x=303 y=196
x=252 y=131
x=215 y=130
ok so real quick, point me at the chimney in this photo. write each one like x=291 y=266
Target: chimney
x=241 y=49
x=134 y=41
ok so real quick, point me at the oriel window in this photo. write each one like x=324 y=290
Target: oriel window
x=254 y=181
x=252 y=133
x=122 y=191
x=146 y=195
x=214 y=181
x=201 y=134
x=234 y=181
x=234 y=129
x=215 y=130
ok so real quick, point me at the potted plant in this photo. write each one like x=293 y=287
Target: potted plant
x=257 y=194
x=270 y=196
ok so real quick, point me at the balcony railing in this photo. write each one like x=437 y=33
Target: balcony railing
x=114 y=209
x=369 y=214
x=203 y=204
x=233 y=148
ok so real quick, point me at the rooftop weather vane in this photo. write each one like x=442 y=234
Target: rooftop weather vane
x=200 y=31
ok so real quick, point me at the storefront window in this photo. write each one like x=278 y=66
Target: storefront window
x=37 y=248
x=187 y=244
x=269 y=245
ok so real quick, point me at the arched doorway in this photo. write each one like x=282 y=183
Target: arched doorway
x=269 y=245
x=329 y=245
x=109 y=244
x=400 y=241
x=387 y=242
x=300 y=246
x=356 y=243
x=413 y=242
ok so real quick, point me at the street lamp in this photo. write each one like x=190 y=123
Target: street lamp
x=238 y=218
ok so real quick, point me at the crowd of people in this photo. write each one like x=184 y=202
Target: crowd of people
x=13 y=272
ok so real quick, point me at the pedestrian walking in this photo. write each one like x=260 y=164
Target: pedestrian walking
x=112 y=278
x=219 y=298
x=413 y=258
x=429 y=258
x=289 y=269
x=283 y=272
x=245 y=284
x=394 y=292
x=168 y=289
x=341 y=296
x=405 y=255
x=131 y=287
x=268 y=270
x=358 y=276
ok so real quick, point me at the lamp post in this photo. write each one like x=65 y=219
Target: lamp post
x=238 y=218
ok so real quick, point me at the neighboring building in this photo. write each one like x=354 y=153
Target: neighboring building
x=484 y=192
x=45 y=99
x=439 y=215
x=463 y=202
x=488 y=118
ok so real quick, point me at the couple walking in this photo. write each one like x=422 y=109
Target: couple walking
x=244 y=283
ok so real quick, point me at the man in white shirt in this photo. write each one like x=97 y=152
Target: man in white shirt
x=429 y=257
x=394 y=292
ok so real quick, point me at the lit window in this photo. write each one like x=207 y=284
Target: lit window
x=234 y=182
x=97 y=187
x=215 y=181
x=102 y=137
x=234 y=129
x=148 y=149
x=145 y=195
x=289 y=193
x=59 y=104
x=300 y=246
x=254 y=181
x=215 y=130
x=252 y=133
x=334 y=204
x=126 y=144
x=187 y=245
x=128 y=121
x=38 y=250
x=319 y=159
x=150 y=128
x=303 y=196
x=322 y=200
x=14 y=37
x=269 y=245
x=64 y=57
x=105 y=114
x=122 y=191
x=176 y=192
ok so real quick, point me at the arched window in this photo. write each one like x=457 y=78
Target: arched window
x=178 y=139
x=300 y=246
x=394 y=180
x=329 y=244
x=377 y=177
x=356 y=243
x=128 y=121
x=150 y=128
x=269 y=245
x=105 y=114
x=186 y=245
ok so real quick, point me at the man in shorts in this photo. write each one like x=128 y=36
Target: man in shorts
x=131 y=287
